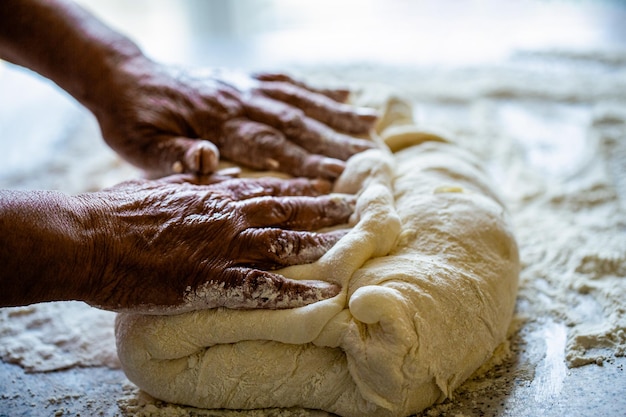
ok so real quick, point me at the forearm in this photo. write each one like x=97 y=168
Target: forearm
x=45 y=248
x=66 y=44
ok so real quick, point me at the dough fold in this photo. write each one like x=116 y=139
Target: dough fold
x=429 y=275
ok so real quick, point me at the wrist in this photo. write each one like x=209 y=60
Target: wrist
x=100 y=84
x=63 y=42
x=46 y=248
x=94 y=244
x=117 y=71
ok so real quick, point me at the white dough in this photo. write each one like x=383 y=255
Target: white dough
x=429 y=275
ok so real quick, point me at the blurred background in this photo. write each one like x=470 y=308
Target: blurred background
x=261 y=33
x=36 y=118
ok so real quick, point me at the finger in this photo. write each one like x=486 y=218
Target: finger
x=304 y=131
x=243 y=288
x=184 y=155
x=259 y=146
x=275 y=248
x=241 y=189
x=318 y=138
x=340 y=116
x=337 y=94
x=301 y=213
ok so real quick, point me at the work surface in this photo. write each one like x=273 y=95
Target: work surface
x=551 y=128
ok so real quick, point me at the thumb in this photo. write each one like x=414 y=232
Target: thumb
x=184 y=155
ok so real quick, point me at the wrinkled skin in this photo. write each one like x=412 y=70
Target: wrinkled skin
x=171 y=236
x=167 y=121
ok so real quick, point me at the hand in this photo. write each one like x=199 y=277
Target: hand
x=173 y=245
x=166 y=122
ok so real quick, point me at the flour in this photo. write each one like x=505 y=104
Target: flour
x=55 y=336
x=574 y=250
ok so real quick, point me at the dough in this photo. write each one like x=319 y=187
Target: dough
x=429 y=275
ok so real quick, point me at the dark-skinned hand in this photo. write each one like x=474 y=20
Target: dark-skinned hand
x=174 y=244
x=168 y=121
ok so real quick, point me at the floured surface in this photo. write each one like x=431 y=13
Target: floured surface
x=56 y=336
x=568 y=212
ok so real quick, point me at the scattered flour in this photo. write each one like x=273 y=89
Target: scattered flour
x=55 y=336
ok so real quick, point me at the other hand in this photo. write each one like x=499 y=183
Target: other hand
x=174 y=244
x=167 y=121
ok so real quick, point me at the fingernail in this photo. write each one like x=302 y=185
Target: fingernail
x=366 y=112
x=332 y=168
x=327 y=240
x=338 y=234
x=324 y=291
x=177 y=167
x=359 y=145
x=321 y=186
x=272 y=164
x=233 y=172
x=341 y=94
x=341 y=207
x=307 y=292
x=202 y=158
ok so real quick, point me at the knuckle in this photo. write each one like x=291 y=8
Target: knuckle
x=257 y=247
x=291 y=120
x=283 y=211
x=268 y=210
